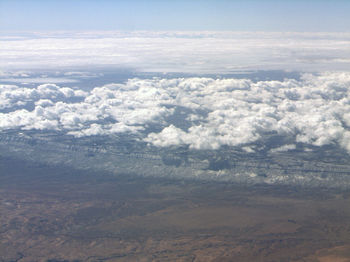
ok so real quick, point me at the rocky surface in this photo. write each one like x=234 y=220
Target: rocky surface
x=60 y=214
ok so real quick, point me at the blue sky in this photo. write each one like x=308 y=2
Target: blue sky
x=239 y=15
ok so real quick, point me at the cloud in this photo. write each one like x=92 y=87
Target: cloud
x=13 y=96
x=283 y=148
x=38 y=80
x=202 y=113
x=193 y=52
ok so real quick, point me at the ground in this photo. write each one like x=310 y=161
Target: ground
x=60 y=214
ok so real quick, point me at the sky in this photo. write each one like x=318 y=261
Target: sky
x=235 y=15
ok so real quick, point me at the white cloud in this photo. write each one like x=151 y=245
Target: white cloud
x=14 y=96
x=203 y=113
x=169 y=136
x=195 y=52
x=283 y=148
x=93 y=130
x=38 y=80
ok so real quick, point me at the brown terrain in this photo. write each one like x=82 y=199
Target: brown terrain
x=57 y=214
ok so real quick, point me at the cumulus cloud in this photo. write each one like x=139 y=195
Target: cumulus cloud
x=202 y=113
x=13 y=96
x=195 y=52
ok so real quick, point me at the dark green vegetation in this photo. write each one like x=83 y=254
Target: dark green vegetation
x=58 y=214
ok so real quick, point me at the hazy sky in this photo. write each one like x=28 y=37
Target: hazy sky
x=239 y=15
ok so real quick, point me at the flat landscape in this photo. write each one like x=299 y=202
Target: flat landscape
x=59 y=214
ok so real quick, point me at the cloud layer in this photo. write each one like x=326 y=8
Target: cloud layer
x=192 y=52
x=202 y=113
